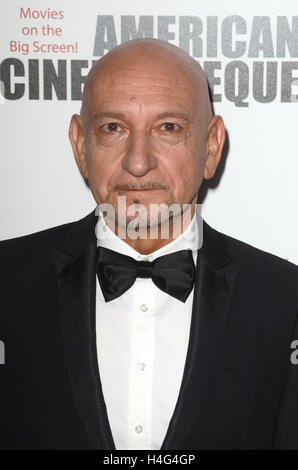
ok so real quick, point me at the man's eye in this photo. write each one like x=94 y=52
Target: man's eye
x=169 y=126
x=111 y=127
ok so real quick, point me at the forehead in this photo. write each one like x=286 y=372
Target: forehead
x=142 y=87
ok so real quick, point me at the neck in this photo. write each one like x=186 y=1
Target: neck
x=163 y=233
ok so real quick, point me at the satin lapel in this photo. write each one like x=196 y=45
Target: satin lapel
x=212 y=301
x=76 y=282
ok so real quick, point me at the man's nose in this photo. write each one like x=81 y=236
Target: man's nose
x=139 y=158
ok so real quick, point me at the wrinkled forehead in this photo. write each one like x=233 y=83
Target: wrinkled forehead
x=146 y=80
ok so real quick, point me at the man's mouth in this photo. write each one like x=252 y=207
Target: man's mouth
x=140 y=189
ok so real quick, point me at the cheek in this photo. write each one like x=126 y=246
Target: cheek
x=101 y=168
x=99 y=160
x=195 y=162
x=187 y=172
x=183 y=163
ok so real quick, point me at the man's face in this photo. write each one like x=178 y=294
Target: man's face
x=144 y=137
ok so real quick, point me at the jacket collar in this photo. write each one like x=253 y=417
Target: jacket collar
x=82 y=233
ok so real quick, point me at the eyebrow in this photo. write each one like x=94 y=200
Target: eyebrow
x=182 y=116
x=167 y=114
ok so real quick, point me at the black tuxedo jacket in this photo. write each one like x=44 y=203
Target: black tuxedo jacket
x=239 y=388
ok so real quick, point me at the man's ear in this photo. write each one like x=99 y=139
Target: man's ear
x=216 y=135
x=77 y=141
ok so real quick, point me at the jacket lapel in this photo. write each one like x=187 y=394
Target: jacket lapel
x=212 y=301
x=75 y=269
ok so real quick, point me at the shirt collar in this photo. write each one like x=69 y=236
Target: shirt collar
x=189 y=239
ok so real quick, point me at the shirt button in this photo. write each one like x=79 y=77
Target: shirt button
x=144 y=307
x=141 y=366
x=139 y=429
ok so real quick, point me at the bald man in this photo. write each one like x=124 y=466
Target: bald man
x=140 y=326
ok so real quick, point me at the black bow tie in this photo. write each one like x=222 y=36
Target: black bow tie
x=173 y=273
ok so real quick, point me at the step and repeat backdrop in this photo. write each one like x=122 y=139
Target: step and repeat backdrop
x=249 y=52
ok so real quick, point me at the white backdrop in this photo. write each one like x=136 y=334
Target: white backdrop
x=255 y=197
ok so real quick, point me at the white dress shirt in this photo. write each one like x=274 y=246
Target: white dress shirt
x=142 y=341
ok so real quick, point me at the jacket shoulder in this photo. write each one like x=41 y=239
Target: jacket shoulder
x=244 y=250
x=40 y=239
x=263 y=266
x=42 y=236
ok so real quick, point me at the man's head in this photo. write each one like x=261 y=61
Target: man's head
x=146 y=129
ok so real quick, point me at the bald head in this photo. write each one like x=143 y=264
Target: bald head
x=152 y=55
